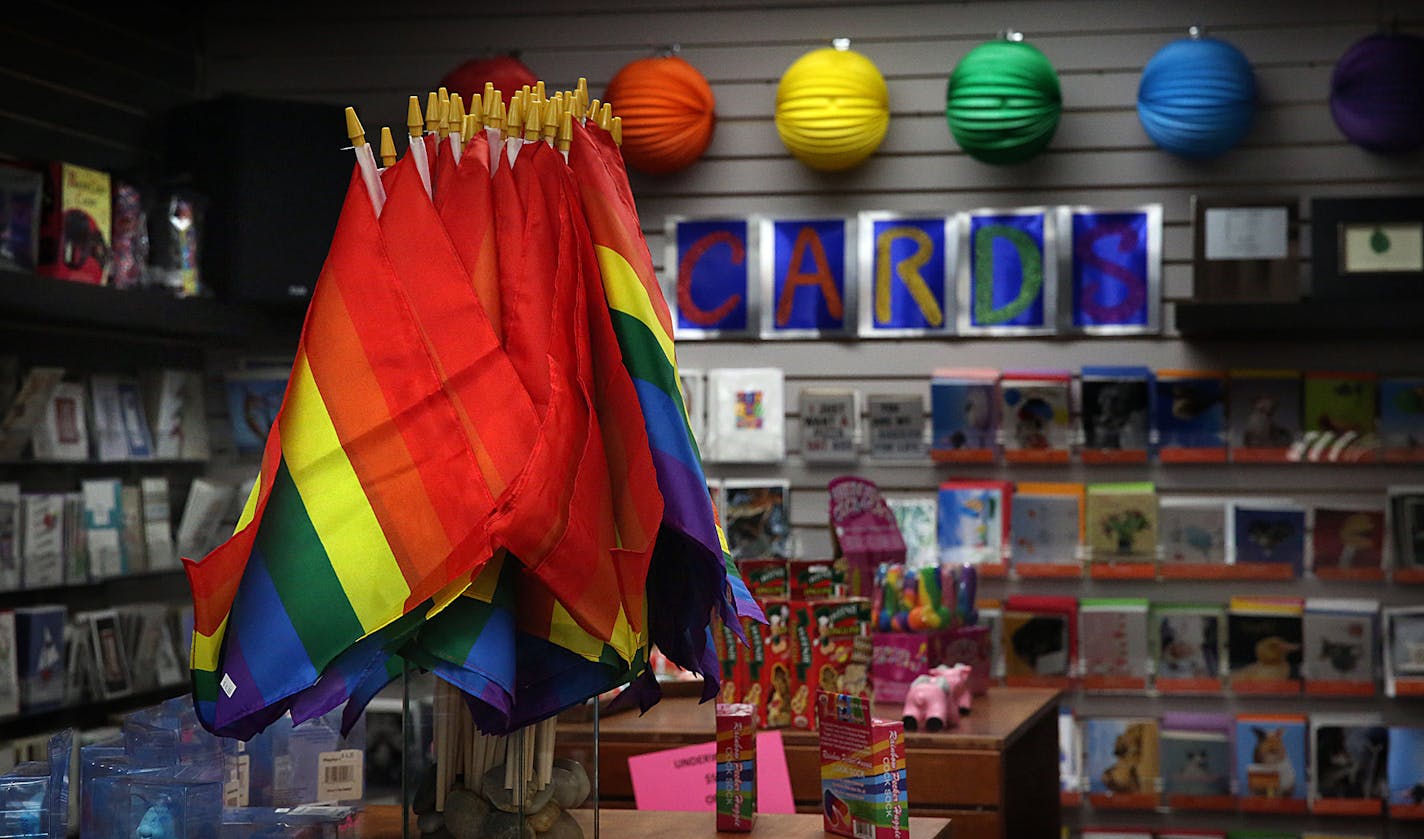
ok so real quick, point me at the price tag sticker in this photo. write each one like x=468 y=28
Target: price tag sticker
x=340 y=775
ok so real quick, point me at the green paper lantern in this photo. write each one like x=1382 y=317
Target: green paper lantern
x=1003 y=102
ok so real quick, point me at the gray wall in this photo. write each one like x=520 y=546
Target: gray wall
x=378 y=55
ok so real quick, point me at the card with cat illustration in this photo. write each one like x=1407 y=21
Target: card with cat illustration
x=1121 y=759
x=1341 y=637
x=964 y=409
x=1405 y=521
x=1188 y=644
x=1404 y=650
x=1197 y=757
x=1270 y=763
x=1405 y=771
x=1347 y=542
x=1112 y=638
x=1189 y=409
x=1046 y=529
x=1264 y=644
x=1267 y=538
x=1116 y=414
x=1036 y=418
x=1192 y=531
x=1350 y=755
x=1263 y=414
x=1035 y=647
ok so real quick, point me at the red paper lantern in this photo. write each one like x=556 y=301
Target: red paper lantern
x=668 y=113
x=506 y=72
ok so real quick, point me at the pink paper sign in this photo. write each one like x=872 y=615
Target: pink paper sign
x=685 y=779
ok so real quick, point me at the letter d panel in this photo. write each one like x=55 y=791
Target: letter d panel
x=906 y=262
x=806 y=283
x=1009 y=273
x=709 y=262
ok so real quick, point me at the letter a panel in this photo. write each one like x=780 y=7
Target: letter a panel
x=807 y=285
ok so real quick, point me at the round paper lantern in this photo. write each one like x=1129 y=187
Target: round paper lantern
x=1197 y=97
x=667 y=110
x=832 y=109
x=1003 y=102
x=1377 y=93
x=505 y=72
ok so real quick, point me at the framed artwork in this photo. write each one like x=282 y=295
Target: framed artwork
x=1112 y=270
x=1246 y=250
x=709 y=267
x=1368 y=248
x=804 y=271
x=1008 y=276
x=906 y=265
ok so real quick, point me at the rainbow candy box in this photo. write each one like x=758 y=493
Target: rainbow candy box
x=736 y=767
x=863 y=791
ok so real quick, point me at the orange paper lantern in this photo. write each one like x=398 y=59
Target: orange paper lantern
x=668 y=113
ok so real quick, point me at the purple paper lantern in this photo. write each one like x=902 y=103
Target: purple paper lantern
x=1377 y=93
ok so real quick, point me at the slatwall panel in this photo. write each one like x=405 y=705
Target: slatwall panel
x=87 y=83
x=377 y=54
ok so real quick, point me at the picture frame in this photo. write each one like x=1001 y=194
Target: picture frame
x=1246 y=250
x=1112 y=291
x=981 y=287
x=907 y=293
x=729 y=307
x=1367 y=248
x=785 y=246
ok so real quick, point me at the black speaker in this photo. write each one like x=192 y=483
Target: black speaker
x=274 y=173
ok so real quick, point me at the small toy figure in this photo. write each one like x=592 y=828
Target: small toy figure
x=938 y=699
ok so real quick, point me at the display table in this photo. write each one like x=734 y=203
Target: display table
x=384 y=823
x=996 y=776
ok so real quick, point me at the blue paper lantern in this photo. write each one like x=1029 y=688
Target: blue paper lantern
x=1197 y=97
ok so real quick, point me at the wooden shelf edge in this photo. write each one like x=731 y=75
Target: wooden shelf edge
x=1306 y=317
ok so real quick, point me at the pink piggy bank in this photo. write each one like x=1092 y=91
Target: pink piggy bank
x=937 y=699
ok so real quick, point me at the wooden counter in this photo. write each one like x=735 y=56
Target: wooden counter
x=996 y=776
x=384 y=823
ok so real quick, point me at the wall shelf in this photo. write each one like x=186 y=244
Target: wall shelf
x=87 y=715
x=31 y=300
x=1307 y=318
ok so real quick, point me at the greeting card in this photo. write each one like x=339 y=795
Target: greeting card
x=1340 y=412
x=1264 y=642
x=1347 y=543
x=829 y=420
x=1121 y=761
x=916 y=519
x=896 y=426
x=1405 y=518
x=1264 y=414
x=1268 y=534
x=1122 y=522
x=1405 y=771
x=1350 y=753
x=1036 y=416
x=758 y=518
x=1188 y=642
x=1046 y=528
x=1341 y=638
x=1401 y=419
x=1112 y=634
x=1116 y=414
x=1404 y=650
x=1190 y=415
x=974 y=522
x=1270 y=762
x=964 y=409
x=745 y=416
x=1197 y=760
x=1192 y=530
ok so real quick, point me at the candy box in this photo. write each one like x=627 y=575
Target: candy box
x=766 y=579
x=736 y=767
x=815 y=579
x=898 y=657
x=76 y=224
x=773 y=688
x=832 y=652
x=863 y=783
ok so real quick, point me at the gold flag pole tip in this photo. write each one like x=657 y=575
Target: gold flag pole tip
x=388 y=147
x=354 y=129
x=414 y=122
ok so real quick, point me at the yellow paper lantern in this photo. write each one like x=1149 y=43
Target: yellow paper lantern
x=832 y=109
